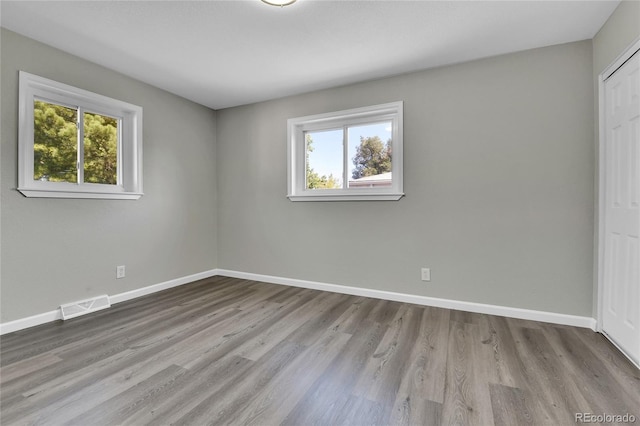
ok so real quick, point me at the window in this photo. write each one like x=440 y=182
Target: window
x=347 y=155
x=77 y=144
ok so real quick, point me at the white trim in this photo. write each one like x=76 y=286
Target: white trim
x=85 y=194
x=296 y=153
x=129 y=182
x=504 y=311
x=621 y=59
x=32 y=321
x=51 y=316
x=599 y=232
x=122 y=297
x=600 y=161
x=348 y=197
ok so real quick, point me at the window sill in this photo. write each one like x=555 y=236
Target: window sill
x=39 y=193
x=348 y=197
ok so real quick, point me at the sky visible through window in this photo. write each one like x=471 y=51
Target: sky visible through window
x=326 y=158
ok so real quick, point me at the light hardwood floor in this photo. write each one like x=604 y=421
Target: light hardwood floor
x=229 y=351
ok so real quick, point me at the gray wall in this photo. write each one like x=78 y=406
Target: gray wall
x=499 y=172
x=621 y=29
x=56 y=251
x=499 y=164
x=618 y=33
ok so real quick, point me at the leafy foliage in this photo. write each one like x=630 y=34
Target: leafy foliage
x=56 y=145
x=314 y=180
x=100 y=149
x=372 y=157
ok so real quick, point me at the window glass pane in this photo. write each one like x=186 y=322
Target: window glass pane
x=325 y=159
x=55 y=143
x=100 y=149
x=370 y=155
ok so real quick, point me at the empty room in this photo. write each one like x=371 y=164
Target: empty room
x=318 y=212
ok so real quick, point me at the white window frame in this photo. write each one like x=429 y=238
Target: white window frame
x=129 y=183
x=296 y=154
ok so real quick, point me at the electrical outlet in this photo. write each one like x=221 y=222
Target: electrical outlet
x=120 y=272
x=426 y=274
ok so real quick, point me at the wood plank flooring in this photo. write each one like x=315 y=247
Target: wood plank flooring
x=224 y=351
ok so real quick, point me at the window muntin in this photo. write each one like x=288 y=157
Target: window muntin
x=77 y=144
x=347 y=155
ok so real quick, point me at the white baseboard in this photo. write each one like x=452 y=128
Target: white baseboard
x=504 y=311
x=481 y=308
x=117 y=298
x=51 y=316
x=32 y=321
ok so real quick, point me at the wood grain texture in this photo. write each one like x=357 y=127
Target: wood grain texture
x=228 y=351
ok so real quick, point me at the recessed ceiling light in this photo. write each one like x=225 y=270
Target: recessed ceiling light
x=280 y=3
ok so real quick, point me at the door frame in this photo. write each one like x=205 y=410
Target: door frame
x=601 y=163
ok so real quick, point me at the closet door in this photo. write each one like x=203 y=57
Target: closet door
x=621 y=277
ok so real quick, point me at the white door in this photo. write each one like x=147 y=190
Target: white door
x=621 y=275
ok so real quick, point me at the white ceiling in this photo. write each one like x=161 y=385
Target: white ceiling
x=227 y=53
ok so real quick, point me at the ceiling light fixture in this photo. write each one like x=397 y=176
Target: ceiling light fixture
x=279 y=3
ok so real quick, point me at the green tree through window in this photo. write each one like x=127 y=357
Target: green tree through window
x=56 y=145
x=55 y=148
x=100 y=149
x=372 y=157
